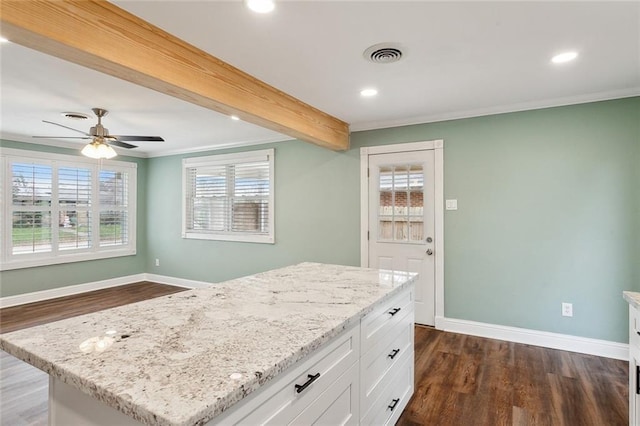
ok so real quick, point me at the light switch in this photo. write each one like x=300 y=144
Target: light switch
x=451 y=204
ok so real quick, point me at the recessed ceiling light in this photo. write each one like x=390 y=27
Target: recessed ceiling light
x=261 y=6
x=3 y=40
x=235 y=117
x=367 y=93
x=564 y=57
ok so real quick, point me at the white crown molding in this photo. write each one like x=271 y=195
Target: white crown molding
x=76 y=146
x=363 y=126
x=38 y=296
x=141 y=154
x=503 y=109
x=218 y=147
x=545 y=339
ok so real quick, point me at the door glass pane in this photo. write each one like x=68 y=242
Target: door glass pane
x=400 y=178
x=416 y=203
x=400 y=209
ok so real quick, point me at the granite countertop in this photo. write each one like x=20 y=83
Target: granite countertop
x=183 y=359
x=632 y=297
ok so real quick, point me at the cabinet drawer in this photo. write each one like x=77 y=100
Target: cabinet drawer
x=337 y=405
x=394 y=396
x=281 y=401
x=378 y=322
x=383 y=359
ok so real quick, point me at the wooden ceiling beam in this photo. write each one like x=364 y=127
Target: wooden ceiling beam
x=106 y=38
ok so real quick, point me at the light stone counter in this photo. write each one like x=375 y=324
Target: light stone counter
x=633 y=298
x=182 y=359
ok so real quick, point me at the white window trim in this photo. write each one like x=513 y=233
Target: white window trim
x=9 y=262
x=240 y=157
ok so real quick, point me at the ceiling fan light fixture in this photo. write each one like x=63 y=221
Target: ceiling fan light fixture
x=98 y=150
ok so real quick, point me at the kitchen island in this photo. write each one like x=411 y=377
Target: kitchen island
x=220 y=354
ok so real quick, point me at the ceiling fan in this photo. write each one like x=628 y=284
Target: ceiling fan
x=101 y=137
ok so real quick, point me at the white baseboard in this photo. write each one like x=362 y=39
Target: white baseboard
x=180 y=282
x=37 y=296
x=545 y=339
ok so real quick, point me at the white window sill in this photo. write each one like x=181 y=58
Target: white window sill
x=261 y=239
x=34 y=261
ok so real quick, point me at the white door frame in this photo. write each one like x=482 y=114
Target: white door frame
x=438 y=147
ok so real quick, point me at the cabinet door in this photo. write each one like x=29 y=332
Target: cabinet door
x=338 y=405
x=634 y=398
x=387 y=408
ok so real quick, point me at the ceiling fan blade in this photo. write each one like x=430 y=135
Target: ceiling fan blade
x=63 y=137
x=66 y=127
x=137 y=138
x=122 y=144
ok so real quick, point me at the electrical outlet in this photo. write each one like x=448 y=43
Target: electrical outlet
x=157 y=262
x=567 y=309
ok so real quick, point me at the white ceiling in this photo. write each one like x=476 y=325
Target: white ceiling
x=460 y=59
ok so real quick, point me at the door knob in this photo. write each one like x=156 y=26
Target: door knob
x=429 y=252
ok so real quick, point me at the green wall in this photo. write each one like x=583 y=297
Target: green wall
x=19 y=281
x=548 y=212
x=316 y=218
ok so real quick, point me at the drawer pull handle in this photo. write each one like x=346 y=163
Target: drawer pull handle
x=393 y=404
x=638 y=333
x=637 y=379
x=394 y=311
x=312 y=378
x=393 y=353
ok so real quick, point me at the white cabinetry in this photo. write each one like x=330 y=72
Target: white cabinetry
x=364 y=376
x=326 y=381
x=634 y=366
x=386 y=363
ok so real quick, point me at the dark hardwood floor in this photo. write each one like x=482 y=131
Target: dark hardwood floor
x=467 y=380
x=23 y=316
x=460 y=380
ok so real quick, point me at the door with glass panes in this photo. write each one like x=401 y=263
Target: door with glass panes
x=401 y=221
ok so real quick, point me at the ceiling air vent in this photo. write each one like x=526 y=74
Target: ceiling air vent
x=75 y=115
x=383 y=53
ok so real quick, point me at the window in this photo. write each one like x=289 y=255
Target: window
x=229 y=197
x=401 y=211
x=60 y=208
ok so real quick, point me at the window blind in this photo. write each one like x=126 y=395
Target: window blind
x=114 y=224
x=63 y=209
x=74 y=213
x=31 y=193
x=231 y=195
